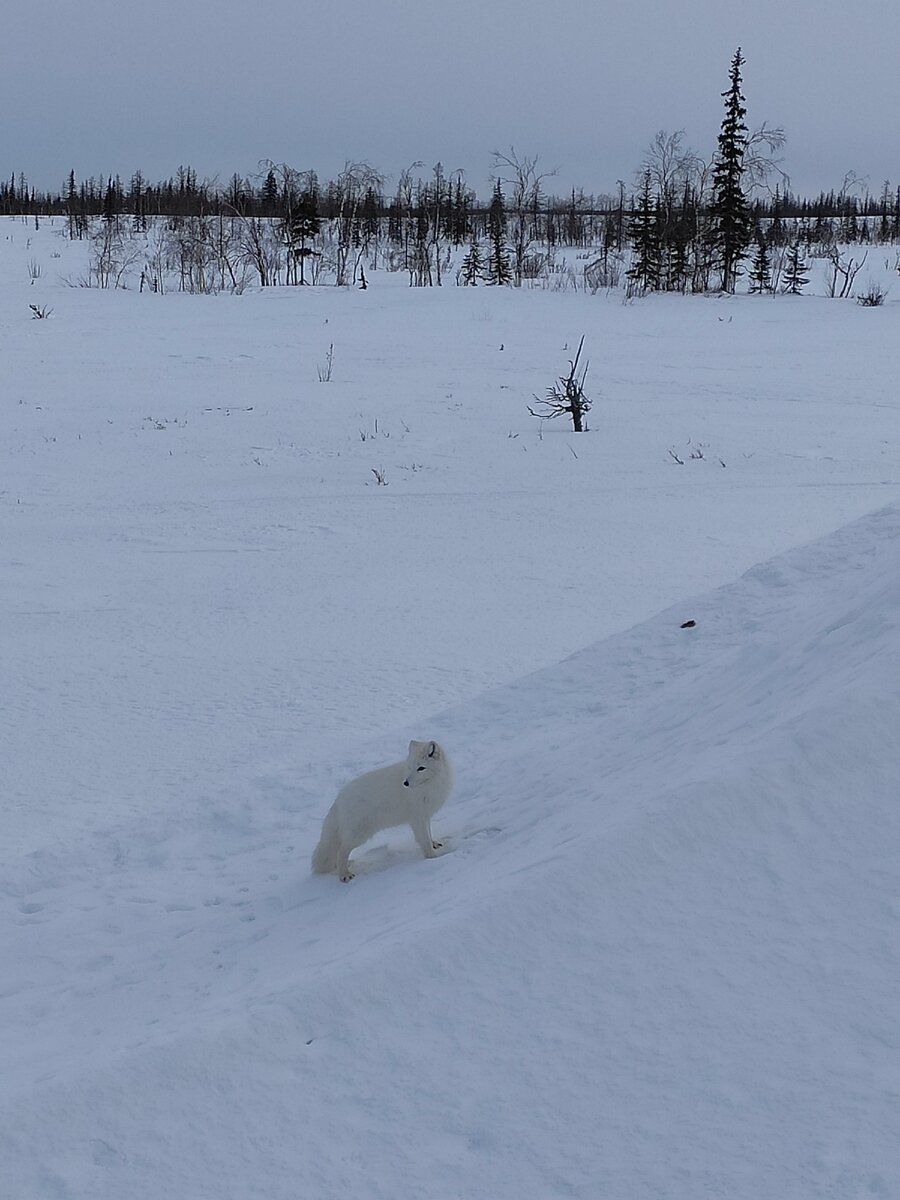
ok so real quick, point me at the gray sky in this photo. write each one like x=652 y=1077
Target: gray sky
x=106 y=86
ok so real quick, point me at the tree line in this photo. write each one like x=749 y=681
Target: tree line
x=685 y=223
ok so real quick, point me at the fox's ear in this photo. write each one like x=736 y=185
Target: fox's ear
x=433 y=750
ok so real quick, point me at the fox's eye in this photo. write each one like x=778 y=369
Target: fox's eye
x=420 y=768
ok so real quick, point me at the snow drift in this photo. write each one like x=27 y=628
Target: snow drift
x=658 y=959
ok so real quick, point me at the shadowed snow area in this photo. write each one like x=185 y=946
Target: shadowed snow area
x=658 y=957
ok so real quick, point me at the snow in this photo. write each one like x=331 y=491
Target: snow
x=658 y=957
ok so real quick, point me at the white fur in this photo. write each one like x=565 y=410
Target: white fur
x=405 y=793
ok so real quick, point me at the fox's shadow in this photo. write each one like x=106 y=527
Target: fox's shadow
x=379 y=855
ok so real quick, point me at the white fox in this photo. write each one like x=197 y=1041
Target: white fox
x=404 y=793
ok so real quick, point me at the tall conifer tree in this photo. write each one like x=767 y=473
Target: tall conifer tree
x=646 y=265
x=730 y=210
x=499 y=268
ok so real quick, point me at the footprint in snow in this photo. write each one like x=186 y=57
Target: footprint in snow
x=33 y=914
x=105 y=1155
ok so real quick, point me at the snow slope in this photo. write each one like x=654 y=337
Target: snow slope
x=659 y=958
x=196 y=554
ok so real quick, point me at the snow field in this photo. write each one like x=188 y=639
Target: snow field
x=659 y=955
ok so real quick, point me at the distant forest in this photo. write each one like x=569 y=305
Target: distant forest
x=684 y=224
x=575 y=219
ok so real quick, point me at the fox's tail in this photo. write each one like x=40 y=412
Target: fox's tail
x=325 y=855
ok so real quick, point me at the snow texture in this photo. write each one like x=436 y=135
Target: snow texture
x=658 y=955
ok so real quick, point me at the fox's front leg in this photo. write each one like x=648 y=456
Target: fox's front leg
x=343 y=866
x=421 y=828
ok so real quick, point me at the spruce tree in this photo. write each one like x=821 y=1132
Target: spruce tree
x=730 y=210
x=644 y=233
x=678 y=265
x=395 y=221
x=849 y=222
x=269 y=195
x=136 y=203
x=884 y=225
x=776 y=228
x=112 y=201
x=761 y=271
x=304 y=223
x=472 y=266
x=499 y=269
x=75 y=213
x=794 y=278
x=460 y=224
x=370 y=213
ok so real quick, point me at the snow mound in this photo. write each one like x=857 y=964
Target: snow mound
x=659 y=957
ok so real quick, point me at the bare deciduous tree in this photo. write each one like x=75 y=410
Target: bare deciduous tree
x=567 y=396
x=671 y=167
x=261 y=248
x=843 y=272
x=294 y=194
x=350 y=187
x=112 y=255
x=760 y=163
x=523 y=197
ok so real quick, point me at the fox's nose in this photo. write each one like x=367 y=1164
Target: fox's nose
x=406 y=783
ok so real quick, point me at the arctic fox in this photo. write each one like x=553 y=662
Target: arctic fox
x=404 y=793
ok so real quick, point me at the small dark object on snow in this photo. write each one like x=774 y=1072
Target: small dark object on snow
x=688 y=624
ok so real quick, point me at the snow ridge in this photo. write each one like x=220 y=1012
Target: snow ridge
x=658 y=959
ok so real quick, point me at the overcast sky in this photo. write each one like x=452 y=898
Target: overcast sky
x=109 y=86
